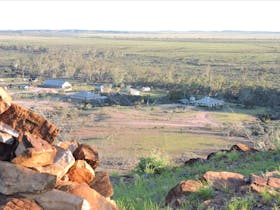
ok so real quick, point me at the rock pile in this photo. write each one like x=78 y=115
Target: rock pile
x=37 y=174
x=224 y=184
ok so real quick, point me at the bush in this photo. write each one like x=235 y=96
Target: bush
x=153 y=164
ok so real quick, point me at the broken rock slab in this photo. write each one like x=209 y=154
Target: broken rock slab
x=35 y=152
x=18 y=179
x=5 y=100
x=59 y=200
x=21 y=204
x=23 y=120
x=96 y=201
x=87 y=153
x=63 y=161
x=81 y=172
x=102 y=184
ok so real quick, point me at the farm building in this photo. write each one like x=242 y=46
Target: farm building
x=130 y=91
x=209 y=102
x=146 y=89
x=134 y=92
x=84 y=96
x=50 y=83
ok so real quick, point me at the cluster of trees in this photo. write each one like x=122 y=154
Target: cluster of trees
x=117 y=66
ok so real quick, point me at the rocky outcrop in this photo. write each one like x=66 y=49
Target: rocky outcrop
x=33 y=169
x=19 y=179
x=23 y=120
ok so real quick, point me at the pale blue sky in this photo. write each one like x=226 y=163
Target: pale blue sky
x=141 y=15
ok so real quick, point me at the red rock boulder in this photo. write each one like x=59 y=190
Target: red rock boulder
x=21 y=204
x=23 y=120
x=5 y=100
x=102 y=184
x=87 y=153
x=81 y=172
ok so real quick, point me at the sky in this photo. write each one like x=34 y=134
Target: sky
x=141 y=15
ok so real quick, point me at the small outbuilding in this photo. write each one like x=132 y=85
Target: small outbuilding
x=146 y=89
x=51 y=83
x=210 y=102
x=86 y=97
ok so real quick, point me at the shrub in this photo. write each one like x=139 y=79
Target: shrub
x=154 y=164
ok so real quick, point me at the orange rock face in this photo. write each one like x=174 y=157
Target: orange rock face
x=102 y=184
x=23 y=120
x=221 y=180
x=21 y=204
x=37 y=153
x=5 y=100
x=81 y=172
x=87 y=153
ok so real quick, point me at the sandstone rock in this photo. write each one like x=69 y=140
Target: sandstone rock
x=87 y=153
x=68 y=145
x=37 y=153
x=16 y=179
x=6 y=138
x=258 y=180
x=101 y=183
x=222 y=180
x=184 y=188
x=274 y=182
x=23 y=120
x=5 y=100
x=63 y=161
x=81 y=172
x=97 y=201
x=242 y=148
x=21 y=204
x=59 y=200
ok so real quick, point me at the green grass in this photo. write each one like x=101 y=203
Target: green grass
x=152 y=190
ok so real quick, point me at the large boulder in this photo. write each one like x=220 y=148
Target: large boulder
x=81 y=172
x=224 y=180
x=63 y=161
x=102 y=184
x=87 y=153
x=23 y=120
x=59 y=200
x=5 y=100
x=21 y=204
x=18 y=179
x=37 y=152
x=97 y=201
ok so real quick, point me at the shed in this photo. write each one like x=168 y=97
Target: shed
x=51 y=83
x=134 y=92
x=84 y=96
x=146 y=89
x=209 y=102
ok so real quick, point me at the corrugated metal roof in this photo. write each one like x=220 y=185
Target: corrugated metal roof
x=54 y=83
x=208 y=101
